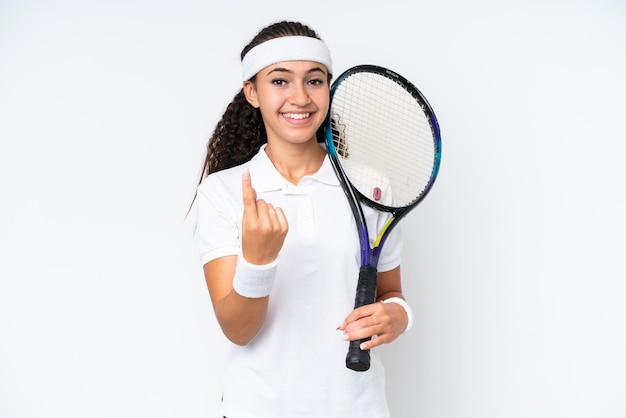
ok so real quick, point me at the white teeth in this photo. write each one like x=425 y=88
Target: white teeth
x=296 y=115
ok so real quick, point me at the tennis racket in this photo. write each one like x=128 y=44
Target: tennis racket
x=384 y=144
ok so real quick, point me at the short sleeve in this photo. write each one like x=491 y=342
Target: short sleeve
x=218 y=218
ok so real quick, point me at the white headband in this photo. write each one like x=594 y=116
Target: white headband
x=286 y=48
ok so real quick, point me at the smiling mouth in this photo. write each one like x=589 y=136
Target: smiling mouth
x=296 y=116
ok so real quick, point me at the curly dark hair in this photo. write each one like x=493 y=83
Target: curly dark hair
x=241 y=132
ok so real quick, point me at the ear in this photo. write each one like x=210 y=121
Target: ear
x=249 y=89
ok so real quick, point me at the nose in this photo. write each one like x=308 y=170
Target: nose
x=299 y=95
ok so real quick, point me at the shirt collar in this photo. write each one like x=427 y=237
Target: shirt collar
x=266 y=178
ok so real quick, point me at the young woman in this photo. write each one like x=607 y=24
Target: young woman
x=279 y=245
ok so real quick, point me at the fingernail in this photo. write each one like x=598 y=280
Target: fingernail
x=363 y=346
x=246 y=172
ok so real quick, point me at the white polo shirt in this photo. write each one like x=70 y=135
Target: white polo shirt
x=295 y=366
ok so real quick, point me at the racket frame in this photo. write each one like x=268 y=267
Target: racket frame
x=357 y=359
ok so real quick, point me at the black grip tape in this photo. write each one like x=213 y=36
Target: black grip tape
x=357 y=359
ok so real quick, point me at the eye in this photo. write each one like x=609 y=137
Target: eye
x=279 y=82
x=316 y=81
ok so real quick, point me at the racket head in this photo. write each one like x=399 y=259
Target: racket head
x=383 y=137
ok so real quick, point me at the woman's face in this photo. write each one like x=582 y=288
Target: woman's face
x=293 y=97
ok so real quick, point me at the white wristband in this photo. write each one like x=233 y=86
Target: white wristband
x=407 y=309
x=253 y=280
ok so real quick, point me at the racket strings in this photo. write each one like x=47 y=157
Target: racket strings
x=385 y=139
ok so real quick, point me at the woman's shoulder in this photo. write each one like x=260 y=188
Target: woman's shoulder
x=228 y=179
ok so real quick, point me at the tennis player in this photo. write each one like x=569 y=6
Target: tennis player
x=280 y=249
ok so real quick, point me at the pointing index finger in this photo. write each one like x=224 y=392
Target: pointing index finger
x=248 y=192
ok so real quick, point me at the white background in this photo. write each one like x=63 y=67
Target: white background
x=514 y=263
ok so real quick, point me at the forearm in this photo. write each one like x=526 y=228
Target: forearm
x=387 y=295
x=240 y=294
x=389 y=285
x=241 y=318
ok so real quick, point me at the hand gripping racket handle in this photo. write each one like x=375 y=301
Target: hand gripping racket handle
x=357 y=359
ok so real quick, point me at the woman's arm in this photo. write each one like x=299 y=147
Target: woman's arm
x=239 y=317
x=240 y=291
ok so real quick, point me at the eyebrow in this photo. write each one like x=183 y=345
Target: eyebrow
x=286 y=70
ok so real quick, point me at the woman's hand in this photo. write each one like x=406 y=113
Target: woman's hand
x=383 y=321
x=264 y=227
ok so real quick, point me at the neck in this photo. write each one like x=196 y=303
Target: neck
x=295 y=161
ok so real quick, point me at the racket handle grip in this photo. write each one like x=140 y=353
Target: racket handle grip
x=357 y=359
